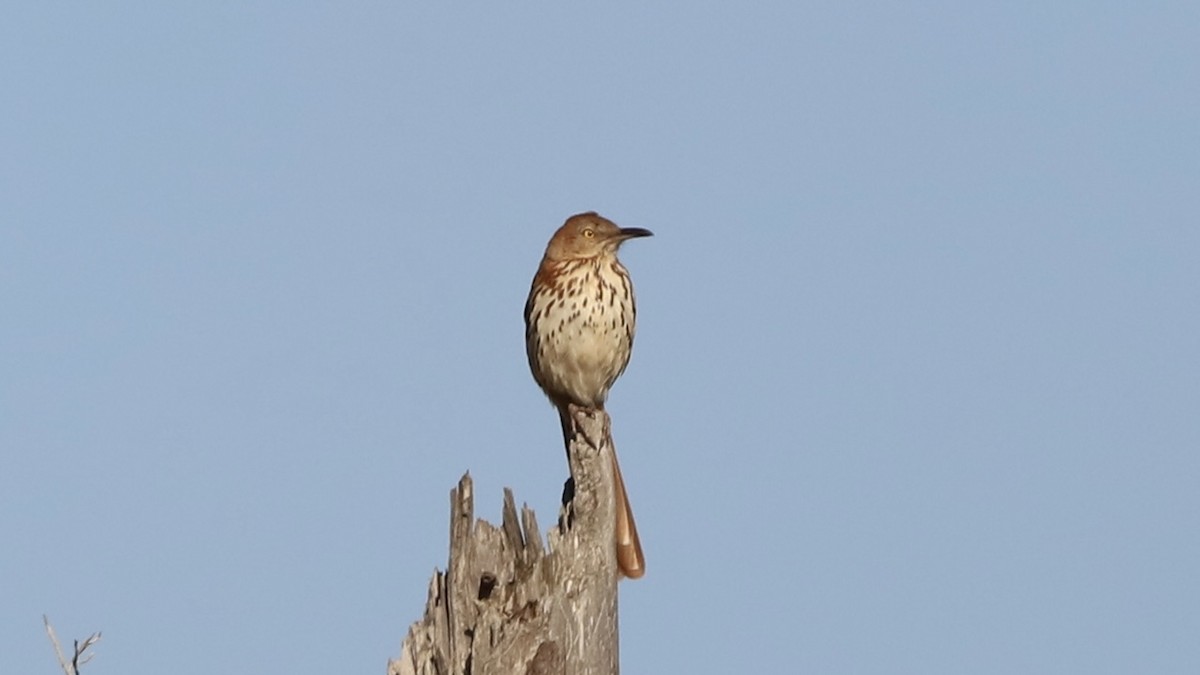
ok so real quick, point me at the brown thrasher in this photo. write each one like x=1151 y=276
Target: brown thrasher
x=579 y=323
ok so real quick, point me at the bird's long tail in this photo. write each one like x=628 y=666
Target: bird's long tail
x=629 y=548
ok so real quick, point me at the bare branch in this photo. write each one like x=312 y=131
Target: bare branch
x=81 y=656
x=62 y=658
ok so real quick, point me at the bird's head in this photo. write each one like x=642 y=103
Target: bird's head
x=587 y=235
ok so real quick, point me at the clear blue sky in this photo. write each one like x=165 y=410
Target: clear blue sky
x=916 y=387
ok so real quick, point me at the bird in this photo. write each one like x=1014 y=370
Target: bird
x=579 y=326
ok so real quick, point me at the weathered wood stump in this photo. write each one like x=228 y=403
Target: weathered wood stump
x=505 y=604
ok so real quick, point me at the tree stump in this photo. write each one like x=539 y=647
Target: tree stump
x=506 y=605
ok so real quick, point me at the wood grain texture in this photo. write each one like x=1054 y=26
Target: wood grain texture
x=506 y=604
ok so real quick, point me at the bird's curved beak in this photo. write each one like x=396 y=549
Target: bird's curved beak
x=635 y=232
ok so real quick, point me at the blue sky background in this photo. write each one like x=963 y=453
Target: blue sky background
x=916 y=387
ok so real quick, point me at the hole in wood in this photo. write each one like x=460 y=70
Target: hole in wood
x=486 y=583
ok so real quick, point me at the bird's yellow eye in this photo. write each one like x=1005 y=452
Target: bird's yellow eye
x=589 y=233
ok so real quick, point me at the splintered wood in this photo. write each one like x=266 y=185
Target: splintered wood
x=506 y=605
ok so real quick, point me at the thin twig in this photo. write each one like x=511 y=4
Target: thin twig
x=81 y=649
